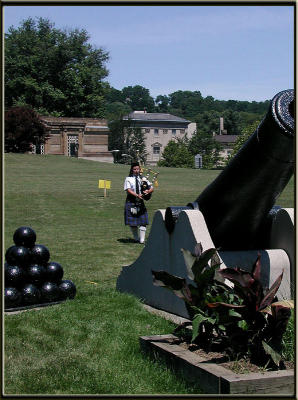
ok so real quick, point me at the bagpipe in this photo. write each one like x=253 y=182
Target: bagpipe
x=144 y=184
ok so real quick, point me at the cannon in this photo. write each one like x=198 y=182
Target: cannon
x=236 y=214
x=238 y=206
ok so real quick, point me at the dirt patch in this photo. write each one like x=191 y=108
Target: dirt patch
x=242 y=366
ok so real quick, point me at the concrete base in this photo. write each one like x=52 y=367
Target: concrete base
x=163 y=252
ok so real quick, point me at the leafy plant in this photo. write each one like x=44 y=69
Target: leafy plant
x=201 y=268
x=263 y=318
x=229 y=308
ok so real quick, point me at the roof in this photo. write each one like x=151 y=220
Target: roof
x=226 y=138
x=94 y=122
x=142 y=116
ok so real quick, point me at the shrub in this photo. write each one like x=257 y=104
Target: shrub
x=23 y=128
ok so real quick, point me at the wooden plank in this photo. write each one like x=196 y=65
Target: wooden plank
x=214 y=378
x=273 y=382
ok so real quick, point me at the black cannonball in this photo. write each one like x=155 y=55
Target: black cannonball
x=54 y=272
x=36 y=274
x=40 y=254
x=49 y=292
x=17 y=255
x=67 y=289
x=12 y=297
x=24 y=236
x=14 y=275
x=30 y=294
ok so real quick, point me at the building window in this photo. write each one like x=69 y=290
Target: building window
x=155 y=132
x=156 y=149
x=164 y=131
x=147 y=130
x=182 y=130
x=173 y=132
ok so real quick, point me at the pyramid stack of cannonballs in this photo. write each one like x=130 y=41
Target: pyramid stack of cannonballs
x=31 y=279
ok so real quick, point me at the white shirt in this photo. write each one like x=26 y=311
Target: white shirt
x=130 y=183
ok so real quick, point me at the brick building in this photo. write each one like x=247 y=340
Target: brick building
x=80 y=137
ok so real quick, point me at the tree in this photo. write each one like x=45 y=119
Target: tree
x=204 y=144
x=208 y=121
x=54 y=71
x=134 y=144
x=23 y=128
x=242 y=139
x=176 y=154
x=232 y=122
x=126 y=138
x=138 y=98
x=162 y=103
x=186 y=103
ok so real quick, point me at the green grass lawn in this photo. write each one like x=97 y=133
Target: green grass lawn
x=88 y=345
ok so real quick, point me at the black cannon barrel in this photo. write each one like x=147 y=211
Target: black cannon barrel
x=237 y=204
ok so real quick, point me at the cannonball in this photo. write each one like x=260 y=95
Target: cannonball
x=12 y=297
x=30 y=294
x=14 y=275
x=24 y=236
x=67 y=289
x=36 y=274
x=17 y=255
x=40 y=254
x=54 y=272
x=49 y=292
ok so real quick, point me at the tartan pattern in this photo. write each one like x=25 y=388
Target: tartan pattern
x=132 y=220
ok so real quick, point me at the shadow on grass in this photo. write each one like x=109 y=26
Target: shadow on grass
x=125 y=240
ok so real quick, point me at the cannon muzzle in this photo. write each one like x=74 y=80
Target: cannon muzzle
x=237 y=204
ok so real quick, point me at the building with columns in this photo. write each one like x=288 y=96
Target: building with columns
x=80 y=137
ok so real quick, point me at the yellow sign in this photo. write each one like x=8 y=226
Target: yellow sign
x=103 y=184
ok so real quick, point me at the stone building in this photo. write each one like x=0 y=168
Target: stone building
x=159 y=129
x=80 y=137
x=225 y=140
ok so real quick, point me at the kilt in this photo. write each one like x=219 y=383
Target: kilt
x=132 y=220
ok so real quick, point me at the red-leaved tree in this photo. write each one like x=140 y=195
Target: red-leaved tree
x=23 y=128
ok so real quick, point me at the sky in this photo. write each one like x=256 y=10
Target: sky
x=238 y=52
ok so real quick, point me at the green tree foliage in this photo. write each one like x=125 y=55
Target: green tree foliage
x=204 y=144
x=188 y=103
x=138 y=98
x=117 y=134
x=245 y=135
x=162 y=104
x=134 y=144
x=127 y=139
x=208 y=121
x=54 y=71
x=23 y=128
x=176 y=154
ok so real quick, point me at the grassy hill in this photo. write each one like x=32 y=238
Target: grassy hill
x=88 y=345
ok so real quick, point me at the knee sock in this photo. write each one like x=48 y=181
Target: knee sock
x=142 y=234
x=134 y=230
